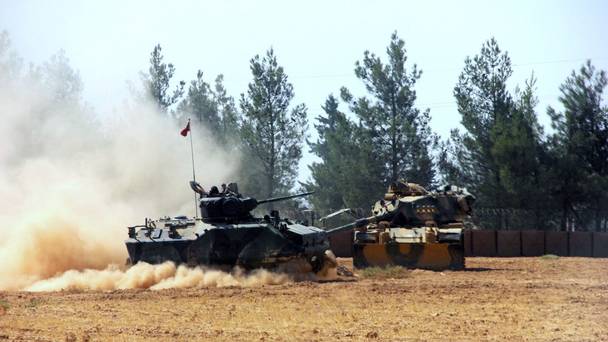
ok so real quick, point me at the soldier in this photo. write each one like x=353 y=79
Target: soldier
x=233 y=189
x=214 y=192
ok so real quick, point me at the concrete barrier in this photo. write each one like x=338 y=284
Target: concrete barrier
x=501 y=243
x=532 y=242
x=600 y=245
x=556 y=243
x=468 y=244
x=483 y=242
x=508 y=243
x=342 y=244
x=581 y=244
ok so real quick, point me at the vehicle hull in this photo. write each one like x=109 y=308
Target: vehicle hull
x=249 y=246
x=432 y=256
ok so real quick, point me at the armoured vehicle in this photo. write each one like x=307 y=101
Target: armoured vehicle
x=227 y=234
x=413 y=227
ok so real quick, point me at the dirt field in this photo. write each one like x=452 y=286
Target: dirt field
x=495 y=299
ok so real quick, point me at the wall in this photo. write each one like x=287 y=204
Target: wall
x=512 y=243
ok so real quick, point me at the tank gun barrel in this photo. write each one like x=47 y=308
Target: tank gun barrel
x=360 y=223
x=276 y=199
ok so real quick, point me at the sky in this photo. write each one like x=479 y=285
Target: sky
x=317 y=42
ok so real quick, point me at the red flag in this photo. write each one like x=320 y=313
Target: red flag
x=186 y=129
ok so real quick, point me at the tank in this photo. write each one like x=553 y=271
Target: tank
x=414 y=228
x=227 y=234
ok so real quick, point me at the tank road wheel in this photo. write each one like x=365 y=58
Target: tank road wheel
x=267 y=249
x=382 y=255
x=256 y=255
x=411 y=255
x=197 y=252
x=408 y=257
x=213 y=248
x=157 y=253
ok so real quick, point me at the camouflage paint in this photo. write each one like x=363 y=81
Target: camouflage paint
x=433 y=256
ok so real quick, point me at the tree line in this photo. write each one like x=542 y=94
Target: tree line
x=522 y=176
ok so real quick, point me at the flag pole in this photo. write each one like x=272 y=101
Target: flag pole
x=193 y=172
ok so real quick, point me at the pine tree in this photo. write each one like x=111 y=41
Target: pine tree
x=229 y=128
x=345 y=176
x=520 y=154
x=516 y=144
x=485 y=106
x=199 y=103
x=326 y=173
x=273 y=134
x=158 y=81
x=62 y=82
x=580 y=149
x=399 y=133
x=213 y=108
x=10 y=62
x=501 y=156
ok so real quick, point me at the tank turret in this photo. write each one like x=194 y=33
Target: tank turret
x=410 y=205
x=232 y=207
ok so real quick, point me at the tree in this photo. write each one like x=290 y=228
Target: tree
x=157 y=81
x=326 y=173
x=520 y=155
x=501 y=156
x=485 y=106
x=517 y=144
x=344 y=177
x=273 y=134
x=10 y=63
x=399 y=133
x=62 y=82
x=229 y=128
x=213 y=108
x=199 y=103
x=580 y=149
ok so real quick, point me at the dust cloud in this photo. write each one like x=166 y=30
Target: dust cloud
x=156 y=277
x=71 y=180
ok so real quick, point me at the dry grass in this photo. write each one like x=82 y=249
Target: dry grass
x=549 y=257
x=495 y=299
x=389 y=272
